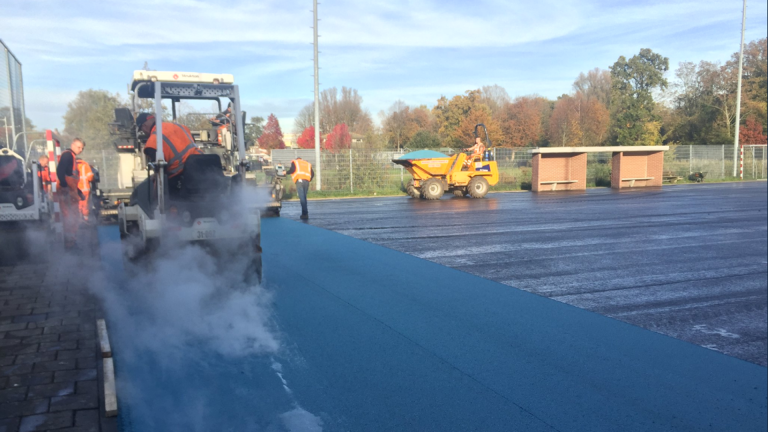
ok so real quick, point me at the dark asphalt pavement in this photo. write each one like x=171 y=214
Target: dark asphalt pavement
x=687 y=261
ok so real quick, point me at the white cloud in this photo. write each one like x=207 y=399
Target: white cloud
x=388 y=50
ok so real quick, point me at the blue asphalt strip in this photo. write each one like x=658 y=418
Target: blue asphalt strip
x=405 y=343
x=377 y=340
x=110 y=250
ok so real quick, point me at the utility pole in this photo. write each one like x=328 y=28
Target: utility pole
x=738 y=93
x=318 y=181
x=7 y=140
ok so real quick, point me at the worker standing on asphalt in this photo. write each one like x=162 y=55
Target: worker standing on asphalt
x=302 y=173
x=477 y=152
x=69 y=196
x=84 y=184
x=178 y=143
x=44 y=172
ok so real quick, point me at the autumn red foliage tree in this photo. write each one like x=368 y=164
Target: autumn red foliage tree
x=752 y=133
x=307 y=138
x=272 y=137
x=338 y=139
x=521 y=120
x=594 y=120
x=578 y=121
x=564 y=129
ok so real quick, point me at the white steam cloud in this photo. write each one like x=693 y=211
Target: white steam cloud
x=188 y=296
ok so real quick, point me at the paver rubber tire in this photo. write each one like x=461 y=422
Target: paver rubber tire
x=413 y=191
x=432 y=189
x=478 y=187
x=459 y=193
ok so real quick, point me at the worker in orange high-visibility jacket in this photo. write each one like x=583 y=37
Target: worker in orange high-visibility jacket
x=68 y=194
x=84 y=184
x=44 y=172
x=477 y=152
x=178 y=143
x=302 y=173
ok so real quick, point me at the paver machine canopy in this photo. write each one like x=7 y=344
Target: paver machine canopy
x=205 y=201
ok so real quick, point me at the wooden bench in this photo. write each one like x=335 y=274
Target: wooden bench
x=554 y=183
x=669 y=177
x=632 y=180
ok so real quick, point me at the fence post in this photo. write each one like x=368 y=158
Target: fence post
x=741 y=162
x=722 y=159
x=351 y=182
x=690 y=159
x=104 y=167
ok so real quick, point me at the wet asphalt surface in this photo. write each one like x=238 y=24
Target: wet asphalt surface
x=687 y=261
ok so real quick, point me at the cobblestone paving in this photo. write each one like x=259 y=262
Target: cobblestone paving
x=51 y=373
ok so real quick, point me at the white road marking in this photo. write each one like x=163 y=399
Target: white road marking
x=718 y=331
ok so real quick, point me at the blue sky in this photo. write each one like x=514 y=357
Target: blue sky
x=415 y=51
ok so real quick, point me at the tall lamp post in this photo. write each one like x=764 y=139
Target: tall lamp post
x=7 y=144
x=318 y=177
x=17 y=137
x=738 y=95
x=31 y=146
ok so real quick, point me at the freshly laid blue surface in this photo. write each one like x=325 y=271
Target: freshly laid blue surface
x=411 y=345
x=377 y=340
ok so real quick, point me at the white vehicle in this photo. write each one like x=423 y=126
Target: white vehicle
x=207 y=202
x=22 y=197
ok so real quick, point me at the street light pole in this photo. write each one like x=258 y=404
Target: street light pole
x=17 y=137
x=7 y=144
x=318 y=181
x=738 y=93
x=31 y=146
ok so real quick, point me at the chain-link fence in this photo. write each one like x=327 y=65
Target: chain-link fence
x=365 y=171
x=107 y=162
x=12 y=115
x=353 y=170
x=755 y=162
x=716 y=162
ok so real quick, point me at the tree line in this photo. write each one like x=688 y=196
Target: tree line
x=633 y=102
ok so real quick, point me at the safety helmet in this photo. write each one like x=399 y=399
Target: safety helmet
x=142 y=118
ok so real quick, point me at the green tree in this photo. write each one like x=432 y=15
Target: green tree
x=88 y=117
x=424 y=139
x=634 y=117
x=254 y=129
x=456 y=119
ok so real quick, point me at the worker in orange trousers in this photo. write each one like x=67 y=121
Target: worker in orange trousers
x=84 y=185
x=68 y=194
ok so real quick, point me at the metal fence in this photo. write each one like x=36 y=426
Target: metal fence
x=362 y=170
x=368 y=171
x=107 y=162
x=12 y=114
x=715 y=161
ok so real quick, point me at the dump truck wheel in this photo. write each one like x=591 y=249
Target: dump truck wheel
x=412 y=191
x=478 y=187
x=432 y=189
x=459 y=193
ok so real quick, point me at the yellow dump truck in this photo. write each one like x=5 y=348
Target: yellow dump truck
x=435 y=173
